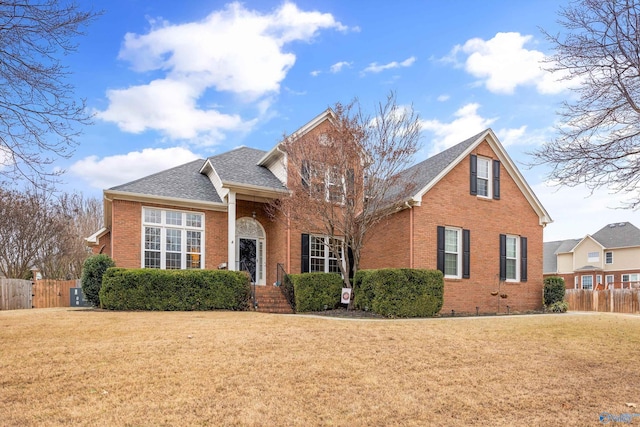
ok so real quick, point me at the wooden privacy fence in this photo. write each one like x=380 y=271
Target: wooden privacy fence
x=613 y=300
x=52 y=293
x=15 y=294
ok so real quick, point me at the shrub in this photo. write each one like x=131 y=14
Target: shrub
x=93 y=269
x=288 y=291
x=316 y=291
x=363 y=292
x=554 y=289
x=405 y=292
x=174 y=290
x=559 y=307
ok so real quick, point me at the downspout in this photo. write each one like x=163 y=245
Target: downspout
x=408 y=205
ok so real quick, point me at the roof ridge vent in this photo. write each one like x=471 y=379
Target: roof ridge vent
x=612 y=225
x=622 y=224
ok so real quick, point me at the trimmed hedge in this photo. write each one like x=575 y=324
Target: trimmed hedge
x=554 y=289
x=314 y=291
x=93 y=269
x=174 y=290
x=400 y=292
x=289 y=291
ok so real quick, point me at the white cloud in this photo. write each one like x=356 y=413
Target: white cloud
x=168 y=106
x=114 y=170
x=233 y=50
x=511 y=136
x=467 y=122
x=443 y=97
x=503 y=63
x=338 y=66
x=576 y=213
x=315 y=73
x=374 y=67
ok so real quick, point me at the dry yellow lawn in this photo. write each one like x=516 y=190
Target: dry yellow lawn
x=89 y=367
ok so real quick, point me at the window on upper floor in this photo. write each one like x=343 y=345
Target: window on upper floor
x=172 y=239
x=608 y=257
x=593 y=257
x=326 y=182
x=484 y=177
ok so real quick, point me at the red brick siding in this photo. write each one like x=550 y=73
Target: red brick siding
x=450 y=204
x=569 y=279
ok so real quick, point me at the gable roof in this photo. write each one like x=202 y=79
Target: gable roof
x=241 y=167
x=618 y=235
x=551 y=250
x=180 y=182
x=424 y=175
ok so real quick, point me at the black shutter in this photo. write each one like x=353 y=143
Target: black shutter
x=496 y=179
x=304 y=263
x=304 y=172
x=473 y=175
x=503 y=257
x=466 y=254
x=440 y=258
x=350 y=259
x=523 y=259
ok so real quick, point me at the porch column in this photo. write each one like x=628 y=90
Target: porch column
x=231 y=234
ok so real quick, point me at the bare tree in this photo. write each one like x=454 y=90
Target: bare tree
x=344 y=177
x=39 y=115
x=76 y=218
x=47 y=232
x=598 y=142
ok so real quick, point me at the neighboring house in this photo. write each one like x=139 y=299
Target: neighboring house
x=468 y=212
x=610 y=258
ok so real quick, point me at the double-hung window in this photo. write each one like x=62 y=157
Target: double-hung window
x=587 y=282
x=513 y=258
x=172 y=239
x=452 y=252
x=608 y=257
x=454 y=249
x=630 y=280
x=484 y=177
x=317 y=256
x=484 y=173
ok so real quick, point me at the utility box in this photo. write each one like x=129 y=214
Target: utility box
x=77 y=299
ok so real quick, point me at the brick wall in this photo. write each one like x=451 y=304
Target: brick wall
x=450 y=204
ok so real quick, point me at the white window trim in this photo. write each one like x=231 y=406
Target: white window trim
x=326 y=256
x=609 y=280
x=163 y=226
x=489 y=176
x=593 y=257
x=576 y=282
x=517 y=257
x=605 y=257
x=458 y=274
x=582 y=281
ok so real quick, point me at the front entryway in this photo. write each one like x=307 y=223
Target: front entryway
x=247 y=256
x=250 y=249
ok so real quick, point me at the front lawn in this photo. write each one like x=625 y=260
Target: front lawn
x=91 y=367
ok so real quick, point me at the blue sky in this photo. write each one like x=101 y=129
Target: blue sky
x=171 y=81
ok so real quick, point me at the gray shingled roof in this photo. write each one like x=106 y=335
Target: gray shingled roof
x=423 y=173
x=618 y=235
x=550 y=253
x=182 y=182
x=241 y=166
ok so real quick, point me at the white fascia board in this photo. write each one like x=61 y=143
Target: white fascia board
x=163 y=200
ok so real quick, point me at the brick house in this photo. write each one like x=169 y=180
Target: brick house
x=468 y=212
x=610 y=258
